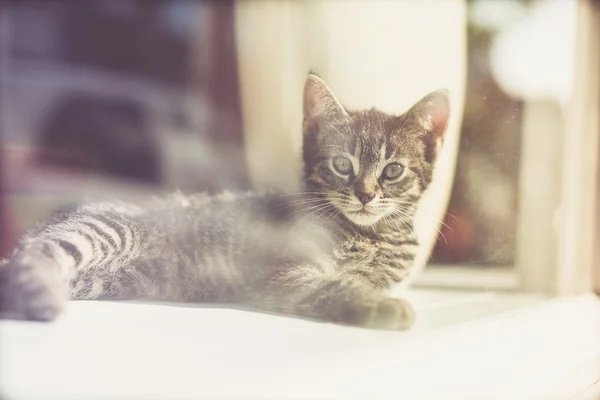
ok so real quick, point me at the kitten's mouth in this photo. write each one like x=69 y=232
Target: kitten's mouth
x=363 y=216
x=363 y=212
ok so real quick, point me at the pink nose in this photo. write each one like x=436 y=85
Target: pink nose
x=364 y=197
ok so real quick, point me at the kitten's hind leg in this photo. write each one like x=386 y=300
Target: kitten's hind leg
x=341 y=299
x=36 y=281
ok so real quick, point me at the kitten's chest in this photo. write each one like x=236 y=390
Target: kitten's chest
x=357 y=248
x=360 y=249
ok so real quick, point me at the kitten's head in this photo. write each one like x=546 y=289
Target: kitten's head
x=370 y=165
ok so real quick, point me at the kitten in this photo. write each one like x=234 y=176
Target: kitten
x=329 y=253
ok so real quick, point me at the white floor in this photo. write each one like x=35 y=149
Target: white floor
x=467 y=345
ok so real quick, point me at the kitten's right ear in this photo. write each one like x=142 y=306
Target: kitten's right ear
x=319 y=100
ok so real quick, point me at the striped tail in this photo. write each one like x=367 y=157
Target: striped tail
x=47 y=266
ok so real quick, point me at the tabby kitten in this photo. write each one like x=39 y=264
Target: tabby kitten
x=328 y=253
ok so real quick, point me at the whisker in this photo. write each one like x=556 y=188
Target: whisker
x=337 y=130
x=326 y=211
x=403 y=218
x=299 y=212
x=388 y=220
x=405 y=209
x=301 y=202
x=439 y=231
x=313 y=212
x=334 y=215
x=452 y=216
x=403 y=125
x=298 y=194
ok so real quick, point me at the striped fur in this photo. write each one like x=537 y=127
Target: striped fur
x=318 y=254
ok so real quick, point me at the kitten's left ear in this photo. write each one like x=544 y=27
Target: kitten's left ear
x=432 y=113
x=319 y=101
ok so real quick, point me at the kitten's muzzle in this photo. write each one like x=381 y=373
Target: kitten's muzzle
x=364 y=197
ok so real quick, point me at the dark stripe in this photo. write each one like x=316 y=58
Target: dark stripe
x=382 y=283
x=396 y=256
x=105 y=250
x=84 y=288
x=118 y=228
x=71 y=250
x=47 y=250
x=405 y=256
x=411 y=242
x=403 y=184
x=352 y=146
x=365 y=274
x=98 y=230
x=417 y=171
x=317 y=185
x=107 y=286
x=390 y=274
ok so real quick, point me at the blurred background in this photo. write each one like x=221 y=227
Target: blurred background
x=128 y=97
x=115 y=96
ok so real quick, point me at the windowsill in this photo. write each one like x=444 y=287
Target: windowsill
x=466 y=345
x=471 y=277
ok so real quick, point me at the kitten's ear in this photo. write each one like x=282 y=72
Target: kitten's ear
x=319 y=100
x=432 y=113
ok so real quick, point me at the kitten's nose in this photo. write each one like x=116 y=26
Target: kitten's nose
x=364 y=197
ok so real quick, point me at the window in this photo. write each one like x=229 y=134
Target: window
x=507 y=216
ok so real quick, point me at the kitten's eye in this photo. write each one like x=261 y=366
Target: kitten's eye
x=342 y=165
x=392 y=171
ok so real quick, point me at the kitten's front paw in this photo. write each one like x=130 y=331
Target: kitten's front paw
x=30 y=294
x=394 y=314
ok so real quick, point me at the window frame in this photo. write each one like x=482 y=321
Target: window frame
x=562 y=260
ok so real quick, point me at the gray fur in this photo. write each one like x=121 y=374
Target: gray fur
x=316 y=254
